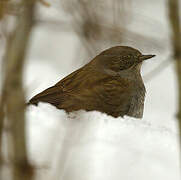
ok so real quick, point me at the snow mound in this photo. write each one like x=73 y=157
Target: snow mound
x=92 y=145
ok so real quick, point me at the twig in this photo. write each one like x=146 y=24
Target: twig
x=173 y=9
x=45 y=3
x=13 y=93
x=1 y=129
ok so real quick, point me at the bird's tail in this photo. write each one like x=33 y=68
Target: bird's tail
x=51 y=95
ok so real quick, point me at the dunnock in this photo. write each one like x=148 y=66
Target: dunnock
x=110 y=83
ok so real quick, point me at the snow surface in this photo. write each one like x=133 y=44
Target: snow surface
x=91 y=145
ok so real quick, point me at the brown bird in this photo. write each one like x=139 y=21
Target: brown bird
x=110 y=83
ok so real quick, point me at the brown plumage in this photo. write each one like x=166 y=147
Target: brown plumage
x=110 y=83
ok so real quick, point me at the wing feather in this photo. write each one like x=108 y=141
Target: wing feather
x=56 y=94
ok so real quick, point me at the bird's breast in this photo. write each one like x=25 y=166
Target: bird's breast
x=137 y=101
x=124 y=98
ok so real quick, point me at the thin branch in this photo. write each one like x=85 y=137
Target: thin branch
x=45 y=3
x=13 y=93
x=2 y=12
x=1 y=129
x=173 y=9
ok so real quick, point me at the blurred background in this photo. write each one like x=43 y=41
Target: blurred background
x=42 y=42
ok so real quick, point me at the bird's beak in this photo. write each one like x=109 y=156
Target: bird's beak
x=145 y=57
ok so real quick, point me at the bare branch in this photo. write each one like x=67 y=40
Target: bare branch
x=173 y=8
x=13 y=93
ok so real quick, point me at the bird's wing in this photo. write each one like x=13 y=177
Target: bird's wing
x=57 y=94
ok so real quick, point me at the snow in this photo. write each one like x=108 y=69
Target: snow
x=91 y=145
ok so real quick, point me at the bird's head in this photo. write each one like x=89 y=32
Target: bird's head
x=120 y=58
